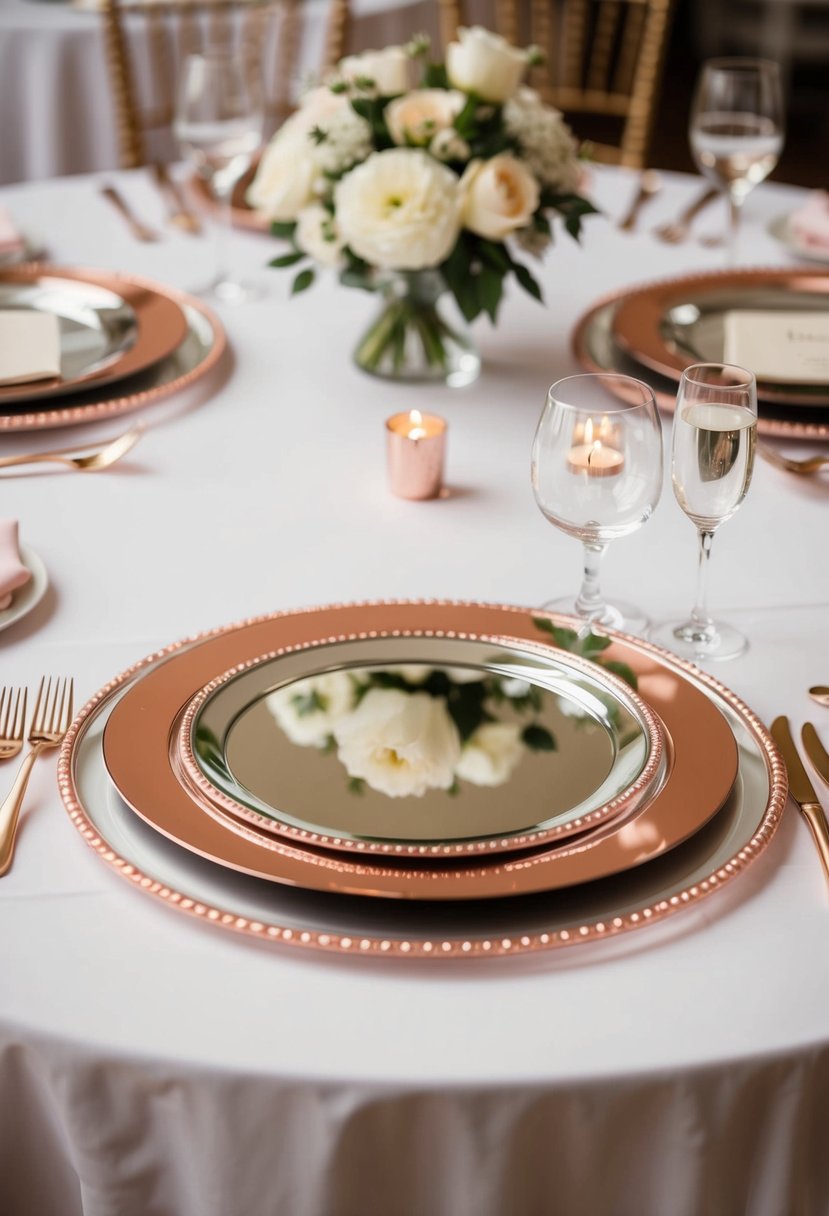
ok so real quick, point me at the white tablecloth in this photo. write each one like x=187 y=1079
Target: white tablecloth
x=152 y=1065
x=54 y=93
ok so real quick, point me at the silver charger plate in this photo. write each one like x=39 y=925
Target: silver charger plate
x=355 y=925
x=392 y=745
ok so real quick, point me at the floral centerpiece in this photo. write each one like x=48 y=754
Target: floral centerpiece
x=422 y=193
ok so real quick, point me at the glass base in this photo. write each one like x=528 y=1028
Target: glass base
x=230 y=291
x=629 y=618
x=690 y=641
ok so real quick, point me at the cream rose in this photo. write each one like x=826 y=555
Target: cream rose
x=317 y=235
x=499 y=195
x=399 y=743
x=308 y=710
x=485 y=64
x=417 y=117
x=399 y=210
x=388 y=70
x=284 y=181
x=491 y=754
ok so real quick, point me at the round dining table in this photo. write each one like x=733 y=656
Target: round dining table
x=152 y=1063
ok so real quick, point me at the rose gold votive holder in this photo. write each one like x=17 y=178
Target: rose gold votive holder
x=415 y=448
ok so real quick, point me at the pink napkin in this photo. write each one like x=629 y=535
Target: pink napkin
x=13 y=574
x=810 y=223
x=10 y=239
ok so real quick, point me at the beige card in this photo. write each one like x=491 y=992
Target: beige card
x=29 y=345
x=782 y=347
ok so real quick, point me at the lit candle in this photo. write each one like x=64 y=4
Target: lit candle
x=593 y=456
x=415 y=446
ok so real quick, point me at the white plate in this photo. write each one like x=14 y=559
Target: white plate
x=24 y=600
x=781 y=231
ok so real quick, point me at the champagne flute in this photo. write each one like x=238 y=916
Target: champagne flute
x=736 y=129
x=597 y=475
x=714 y=437
x=218 y=124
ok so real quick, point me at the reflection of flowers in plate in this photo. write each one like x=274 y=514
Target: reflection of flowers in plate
x=408 y=729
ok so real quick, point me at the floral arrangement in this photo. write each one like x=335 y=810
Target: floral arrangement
x=406 y=730
x=377 y=178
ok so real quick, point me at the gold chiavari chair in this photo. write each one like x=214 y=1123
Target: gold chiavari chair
x=601 y=58
x=145 y=40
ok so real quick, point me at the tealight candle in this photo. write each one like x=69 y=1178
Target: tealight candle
x=593 y=456
x=415 y=446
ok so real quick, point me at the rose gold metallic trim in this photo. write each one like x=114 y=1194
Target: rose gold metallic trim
x=782 y=428
x=627 y=800
x=75 y=414
x=453 y=947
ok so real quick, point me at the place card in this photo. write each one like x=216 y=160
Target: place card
x=782 y=347
x=29 y=346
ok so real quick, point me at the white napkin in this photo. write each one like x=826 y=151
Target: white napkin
x=29 y=346
x=13 y=574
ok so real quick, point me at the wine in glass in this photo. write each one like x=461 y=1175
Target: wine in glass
x=597 y=475
x=736 y=129
x=218 y=125
x=714 y=435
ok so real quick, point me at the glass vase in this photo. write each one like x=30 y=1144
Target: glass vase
x=419 y=334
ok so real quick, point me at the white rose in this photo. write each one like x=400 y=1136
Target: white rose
x=284 y=181
x=499 y=195
x=308 y=710
x=399 y=210
x=317 y=105
x=388 y=70
x=491 y=753
x=399 y=743
x=485 y=64
x=316 y=234
x=417 y=117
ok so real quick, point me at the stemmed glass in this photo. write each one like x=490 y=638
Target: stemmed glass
x=736 y=129
x=597 y=474
x=715 y=427
x=218 y=124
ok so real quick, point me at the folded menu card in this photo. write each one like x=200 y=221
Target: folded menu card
x=13 y=574
x=789 y=347
x=29 y=345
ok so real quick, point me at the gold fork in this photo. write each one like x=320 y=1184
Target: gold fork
x=806 y=467
x=50 y=721
x=12 y=721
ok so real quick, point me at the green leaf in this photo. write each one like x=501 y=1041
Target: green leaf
x=564 y=638
x=527 y=281
x=491 y=286
x=287 y=259
x=495 y=255
x=623 y=671
x=435 y=77
x=308 y=703
x=302 y=282
x=592 y=643
x=356 y=785
x=283 y=228
x=538 y=738
x=357 y=278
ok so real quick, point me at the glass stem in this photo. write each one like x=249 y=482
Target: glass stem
x=222 y=227
x=590 y=603
x=699 y=614
x=733 y=229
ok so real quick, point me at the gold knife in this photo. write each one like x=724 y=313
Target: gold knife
x=815 y=750
x=802 y=790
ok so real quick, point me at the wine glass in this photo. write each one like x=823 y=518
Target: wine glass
x=597 y=474
x=218 y=124
x=714 y=434
x=736 y=129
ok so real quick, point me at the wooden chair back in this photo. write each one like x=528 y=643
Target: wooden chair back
x=601 y=57
x=145 y=41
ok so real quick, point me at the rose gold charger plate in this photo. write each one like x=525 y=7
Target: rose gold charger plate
x=642 y=894
x=196 y=355
x=596 y=349
x=445 y=826
x=159 y=319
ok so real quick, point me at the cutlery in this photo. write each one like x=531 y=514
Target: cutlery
x=52 y=715
x=178 y=213
x=650 y=183
x=678 y=230
x=806 y=467
x=801 y=789
x=820 y=693
x=815 y=750
x=141 y=231
x=83 y=457
x=12 y=720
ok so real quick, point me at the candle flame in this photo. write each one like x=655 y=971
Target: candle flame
x=588 y=431
x=416 y=428
x=415 y=418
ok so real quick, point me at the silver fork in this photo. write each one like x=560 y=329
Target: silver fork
x=50 y=721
